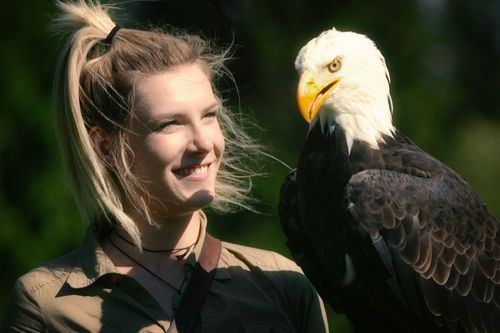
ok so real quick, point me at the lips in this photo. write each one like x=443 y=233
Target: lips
x=194 y=170
x=201 y=170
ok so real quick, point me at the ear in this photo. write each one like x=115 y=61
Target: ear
x=101 y=142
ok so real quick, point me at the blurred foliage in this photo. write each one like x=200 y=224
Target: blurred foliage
x=444 y=62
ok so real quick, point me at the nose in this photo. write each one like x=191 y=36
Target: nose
x=201 y=141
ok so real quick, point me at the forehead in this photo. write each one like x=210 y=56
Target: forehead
x=182 y=88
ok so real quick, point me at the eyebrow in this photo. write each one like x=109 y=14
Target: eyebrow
x=216 y=104
x=173 y=114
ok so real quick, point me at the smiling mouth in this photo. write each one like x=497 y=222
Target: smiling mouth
x=197 y=170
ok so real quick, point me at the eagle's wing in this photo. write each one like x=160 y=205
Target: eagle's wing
x=438 y=229
x=297 y=242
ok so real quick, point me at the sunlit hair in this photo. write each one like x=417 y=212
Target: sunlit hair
x=95 y=87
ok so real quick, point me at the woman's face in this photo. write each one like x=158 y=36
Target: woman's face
x=176 y=139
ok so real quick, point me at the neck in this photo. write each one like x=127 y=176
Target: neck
x=362 y=106
x=362 y=119
x=169 y=232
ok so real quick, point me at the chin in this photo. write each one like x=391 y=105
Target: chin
x=201 y=199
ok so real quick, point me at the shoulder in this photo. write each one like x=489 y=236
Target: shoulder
x=264 y=259
x=48 y=275
x=282 y=280
x=32 y=292
x=284 y=274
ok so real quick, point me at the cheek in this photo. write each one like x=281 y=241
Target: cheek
x=219 y=142
x=219 y=152
x=153 y=155
x=220 y=146
x=162 y=150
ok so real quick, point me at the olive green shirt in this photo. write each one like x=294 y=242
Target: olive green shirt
x=253 y=291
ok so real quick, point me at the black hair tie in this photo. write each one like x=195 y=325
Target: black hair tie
x=112 y=33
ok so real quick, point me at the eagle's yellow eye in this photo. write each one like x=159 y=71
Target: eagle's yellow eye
x=335 y=65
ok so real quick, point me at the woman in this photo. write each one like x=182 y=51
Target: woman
x=147 y=145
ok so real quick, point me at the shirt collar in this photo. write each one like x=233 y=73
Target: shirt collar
x=95 y=263
x=221 y=273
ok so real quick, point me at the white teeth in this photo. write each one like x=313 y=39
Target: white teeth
x=201 y=170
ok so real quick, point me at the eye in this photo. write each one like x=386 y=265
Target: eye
x=165 y=125
x=335 y=65
x=211 y=114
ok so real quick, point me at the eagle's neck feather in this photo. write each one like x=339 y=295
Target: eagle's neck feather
x=364 y=116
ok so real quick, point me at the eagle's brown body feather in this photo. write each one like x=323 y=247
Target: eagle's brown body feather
x=392 y=237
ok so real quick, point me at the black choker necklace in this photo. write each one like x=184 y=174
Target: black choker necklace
x=186 y=249
x=178 y=289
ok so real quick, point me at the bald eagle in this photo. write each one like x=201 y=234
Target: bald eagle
x=388 y=234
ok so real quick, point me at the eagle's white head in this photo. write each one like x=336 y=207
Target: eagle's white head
x=343 y=77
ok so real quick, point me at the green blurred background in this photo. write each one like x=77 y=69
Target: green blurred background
x=444 y=59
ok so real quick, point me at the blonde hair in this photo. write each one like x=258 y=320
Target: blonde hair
x=94 y=87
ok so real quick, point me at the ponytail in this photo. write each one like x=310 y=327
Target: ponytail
x=84 y=26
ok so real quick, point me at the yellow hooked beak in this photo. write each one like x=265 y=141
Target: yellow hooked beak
x=310 y=97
